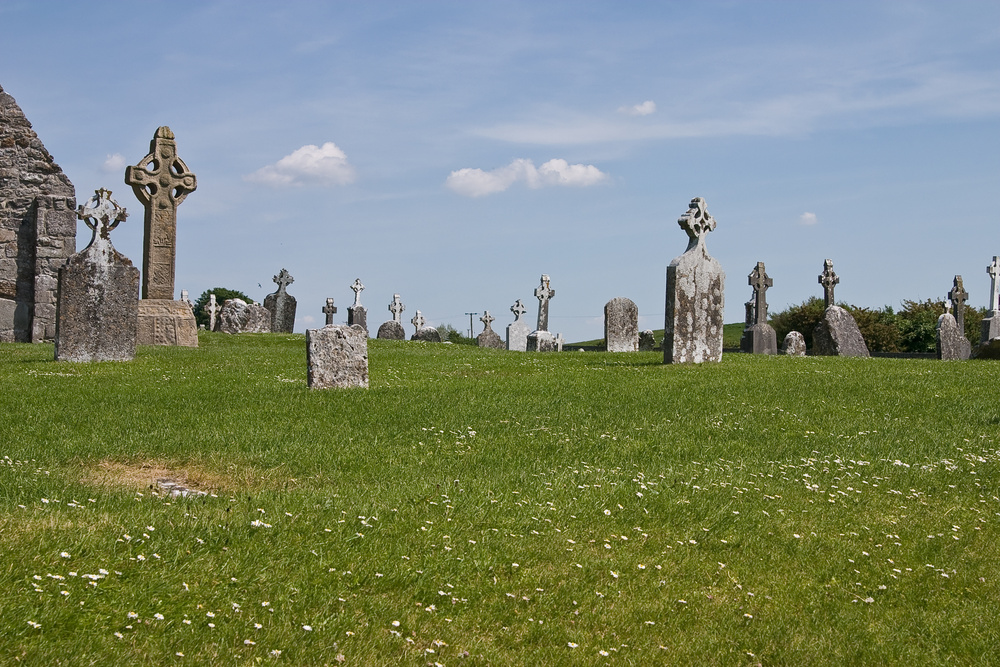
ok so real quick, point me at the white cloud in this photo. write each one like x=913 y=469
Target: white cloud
x=808 y=219
x=308 y=319
x=476 y=182
x=644 y=109
x=113 y=164
x=309 y=165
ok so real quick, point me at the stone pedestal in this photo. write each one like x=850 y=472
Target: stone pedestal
x=990 y=327
x=794 y=345
x=837 y=335
x=517 y=336
x=358 y=315
x=759 y=339
x=337 y=356
x=391 y=330
x=621 y=325
x=952 y=345
x=237 y=316
x=166 y=322
x=541 y=341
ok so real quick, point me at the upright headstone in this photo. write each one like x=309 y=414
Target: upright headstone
x=517 y=331
x=422 y=332
x=621 y=325
x=695 y=295
x=337 y=356
x=540 y=340
x=329 y=310
x=837 y=334
x=759 y=337
x=647 y=341
x=238 y=317
x=213 y=310
x=794 y=344
x=281 y=304
x=358 y=314
x=161 y=181
x=393 y=329
x=97 y=307
x=991 y=323
x=952 y=345
x=489 y=337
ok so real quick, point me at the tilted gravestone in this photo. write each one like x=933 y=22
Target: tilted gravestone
x=161 y=181
x=759 y=337
x=952 y=343
x=238 y=317
x=393 y=329
x=647 y=341
x=794 y=344
x=489 y=337
x=329 y=310
x=517 y=331
x=695 y=295
x=97 y=306
x=621 y=325
x=281 y=304
x=991 y=323
x=540 y=340
x=837 y=334
x=337 y=356
x=358 y=314
x=424 y=333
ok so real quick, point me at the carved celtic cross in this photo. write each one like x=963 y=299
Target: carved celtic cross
x=828 y=279
x=696 y=222
x=760 y=281
x=396 y=308
x=543 y=293
x=958 y=297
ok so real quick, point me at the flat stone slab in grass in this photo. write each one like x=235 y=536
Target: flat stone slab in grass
x=166 y=322
x=794 y=345
x=337 y=356
x=837 y=335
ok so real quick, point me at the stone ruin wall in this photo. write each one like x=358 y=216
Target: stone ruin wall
x=37 y=229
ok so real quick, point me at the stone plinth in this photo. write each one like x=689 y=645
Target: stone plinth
x=794 y=344
x=427 y=335
x=517 y=336
x=952 y=345
x=337 y=356
x=541 y=341
x=647 y=341
x=759 y=339
x=238 y=317
x=837 y=335
x=988 y=350
x=358 y=315
x=166 y=322
x=990 y=327
x=391 y=330
x=621 y=325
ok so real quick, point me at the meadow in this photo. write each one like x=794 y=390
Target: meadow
x=482 y=507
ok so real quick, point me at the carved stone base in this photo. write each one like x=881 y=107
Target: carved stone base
x=759 y=339
x=165 y=322
x=541 y=341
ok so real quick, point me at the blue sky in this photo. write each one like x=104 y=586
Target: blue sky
x=454 y=151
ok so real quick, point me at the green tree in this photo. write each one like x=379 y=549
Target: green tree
x=221 y=294
x=453 y=335
x=802 y=318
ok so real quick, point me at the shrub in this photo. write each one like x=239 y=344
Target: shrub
x=221 y=294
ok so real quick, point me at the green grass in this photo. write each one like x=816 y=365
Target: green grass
x=502 y=508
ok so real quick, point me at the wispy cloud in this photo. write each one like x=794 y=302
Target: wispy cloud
x=309 y=165
x=474 y=182
x=808 y=219
x=644 y=109
x=113 y=164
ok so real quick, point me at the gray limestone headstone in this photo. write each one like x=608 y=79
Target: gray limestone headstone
x=97 y=302
x=427 y=335
x=329 y=310
x=952 y=345
x=517 y=331
x=391 y=330
x=559 y=341
x=695 y=295
x=621 y=325
x=541 y=341
x=213 y=311
x=991 y=323
x=759 y=337
x=837 y=335
x=794 y=344
x=281 y=304
x=238 y=317
x=489 y=337
x=647 y=341
x=337 y=356
x=358 y=314
x=958 y=296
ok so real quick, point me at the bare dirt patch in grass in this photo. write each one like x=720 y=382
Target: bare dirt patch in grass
x=157 y=476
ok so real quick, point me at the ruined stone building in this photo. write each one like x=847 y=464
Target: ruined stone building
x=37 y=228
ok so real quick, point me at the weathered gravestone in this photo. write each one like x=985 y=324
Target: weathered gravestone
x=238 y=317
x=695 y=295
x=952 y=345
x=489 y=337
x=559 y=341
x=759 y=337
x=161 y=181
x=97 y=307
x=794 y=344
x=621 y=325
x=991 y=323
x=358 y=314
x=540 y=340
x=187 y=300
x=329 y=310
x=424 y=333
x=837 y=334
x=337 y=356
x=213 y=310
x=517 y=331
x=37 y=229
x=393 y=329
x=281 y=304
x=647 y=341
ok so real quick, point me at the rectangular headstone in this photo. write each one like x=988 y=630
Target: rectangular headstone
x=621 y=325
x=166 y=322
x=337 y=356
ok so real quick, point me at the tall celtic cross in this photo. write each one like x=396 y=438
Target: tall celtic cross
x=329 y=310
x=418 y=321
x=994 y=272
x=760 y=281
x=396 y=308
x=487 y=321
x=160 y=182
x=696 y=222
x=101 y=214
x=358 y=288
x=958 y=297
x=828 y=279
x=212 y=308
x=543 y=293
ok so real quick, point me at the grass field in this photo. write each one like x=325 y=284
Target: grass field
x=480 y=507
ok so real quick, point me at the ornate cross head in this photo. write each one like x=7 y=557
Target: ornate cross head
x=487 y=320
x=543 y=292
x=101 y=213
x=418 y=321
x=283 y=280
x=396 y=308
x=994 y=272
x=828 y=279
x=161 y=176
x=958 y=295
x=212 y=304
x=358 y=288
x=329 y=308
x=518 y=309
x=696 y=222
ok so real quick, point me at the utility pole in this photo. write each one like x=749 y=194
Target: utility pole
x=470 y=323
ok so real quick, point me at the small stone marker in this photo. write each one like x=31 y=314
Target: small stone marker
x=621 y=325
x=541 y=340
x=489 y=337
x=358 y=314
x=794 y=344
x=337 y=356
x=97 y=302
x=213 y=309
x=424 y=333
x=990 y=325
x=837 y=334
x=281 y=304
x=517 y=331
x=393 y=329
x=238 y=317
x=418 y=322
x=695 y=295
x=559 y=342
x=952 y=345
x=759 y=337
x=329 y=310
x=647 y=341
x=186 y=299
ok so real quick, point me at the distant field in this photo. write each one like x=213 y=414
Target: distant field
x=481 y=507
